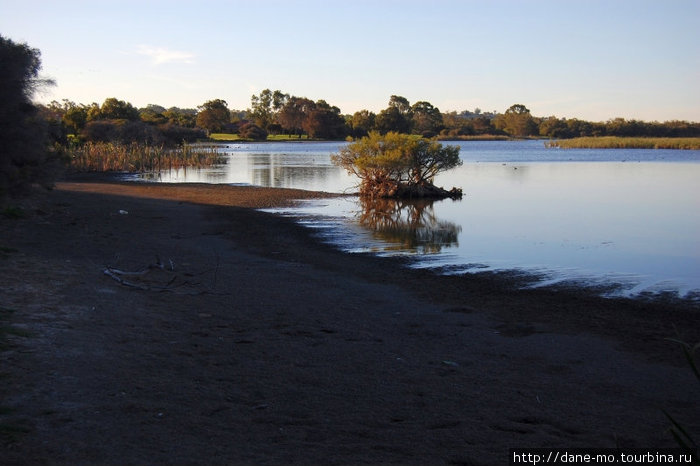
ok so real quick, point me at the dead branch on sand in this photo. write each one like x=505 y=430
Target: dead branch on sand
x=156 y=277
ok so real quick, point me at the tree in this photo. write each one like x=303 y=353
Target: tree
x=264 y=107
x=292 y=115
x=517 y=121
x=401 y=104
x=392 y=120
x=362 y=122
x=553 y=127
x=153 y=114
x=398 y=165
x=186 y=117
x=324 y=121
x=25 y=157
x=75 y=118
x=213 y=115
x=115 y=109
x=426 y=119
x=396 y=117
x=93 y=112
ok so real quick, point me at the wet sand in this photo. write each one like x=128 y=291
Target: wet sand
x=225 y=335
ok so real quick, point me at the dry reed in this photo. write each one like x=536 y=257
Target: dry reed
x=108 y=156
x=614 y=142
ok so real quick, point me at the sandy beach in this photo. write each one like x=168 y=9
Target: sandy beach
x=176 y=324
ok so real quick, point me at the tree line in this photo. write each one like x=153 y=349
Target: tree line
x=279 y=113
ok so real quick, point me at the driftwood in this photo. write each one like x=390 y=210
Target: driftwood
x=157 y=277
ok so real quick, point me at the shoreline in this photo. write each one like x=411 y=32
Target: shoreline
x=257 y=197
x=262 y=345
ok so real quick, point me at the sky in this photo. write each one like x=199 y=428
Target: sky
x=587 y=59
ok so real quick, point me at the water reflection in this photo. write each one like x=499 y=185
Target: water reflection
x=407 y=225
x=287 y=171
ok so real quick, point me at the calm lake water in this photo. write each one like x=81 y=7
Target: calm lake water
x=624 y=218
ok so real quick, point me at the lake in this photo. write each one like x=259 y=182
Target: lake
x=628 y=220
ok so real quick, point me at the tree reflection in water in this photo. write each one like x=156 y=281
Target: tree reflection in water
x=407 y=224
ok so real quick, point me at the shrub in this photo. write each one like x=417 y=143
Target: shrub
x=252 y=131
x=398 y=165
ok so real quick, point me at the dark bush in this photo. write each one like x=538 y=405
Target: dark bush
x=25 y=157
x=139 y=132
x=252 y=131
x=174 y=134
x=100 y=131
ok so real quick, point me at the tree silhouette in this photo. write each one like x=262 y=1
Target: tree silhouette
x=24 y=154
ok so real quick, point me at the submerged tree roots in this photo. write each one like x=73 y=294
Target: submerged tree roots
x=388 y=188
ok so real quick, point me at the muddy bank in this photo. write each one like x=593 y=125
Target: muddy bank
x=252 y=343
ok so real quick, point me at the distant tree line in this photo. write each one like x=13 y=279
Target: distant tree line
x=279 y=113
x=119 y=121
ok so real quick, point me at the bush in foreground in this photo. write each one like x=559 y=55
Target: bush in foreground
x=25 y=156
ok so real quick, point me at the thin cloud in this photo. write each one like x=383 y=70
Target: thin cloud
x=161 y=55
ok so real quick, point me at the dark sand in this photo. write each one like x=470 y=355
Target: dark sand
x=256 y=344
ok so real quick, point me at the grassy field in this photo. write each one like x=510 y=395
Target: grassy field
x=613 y=142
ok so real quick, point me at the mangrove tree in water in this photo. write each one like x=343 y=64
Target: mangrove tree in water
x=399 y=165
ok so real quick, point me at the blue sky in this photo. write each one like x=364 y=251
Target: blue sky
x=586 y=59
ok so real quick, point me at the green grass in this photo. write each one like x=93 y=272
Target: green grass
x=614 y=142
x=224 y=137
x=230 y=137
x=286 y=137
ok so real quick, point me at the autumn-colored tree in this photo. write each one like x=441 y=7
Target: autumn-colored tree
x=324 y=121
x=292 y=115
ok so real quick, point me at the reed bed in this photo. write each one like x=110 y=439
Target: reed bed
x=475 y=137
x=108 y=156
x=614 y=142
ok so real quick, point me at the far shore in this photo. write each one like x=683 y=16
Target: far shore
x=178 y=324
x=593 y=142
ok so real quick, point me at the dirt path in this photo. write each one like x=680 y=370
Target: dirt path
x=255 y=344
